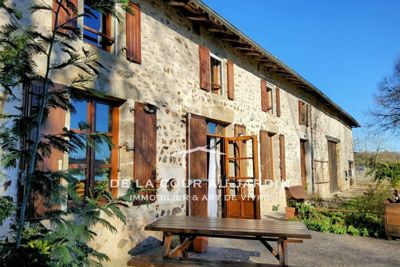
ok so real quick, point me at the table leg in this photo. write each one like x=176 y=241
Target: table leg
x=181 y=249
x=167 y=244
x=282 y=250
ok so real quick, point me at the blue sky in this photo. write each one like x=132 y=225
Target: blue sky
x=343 y=47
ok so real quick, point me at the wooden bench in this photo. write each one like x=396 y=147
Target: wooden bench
x=265 y=231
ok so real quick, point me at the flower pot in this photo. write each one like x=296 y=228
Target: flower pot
x=200 y=244
x=392 y=220
x=290 y=213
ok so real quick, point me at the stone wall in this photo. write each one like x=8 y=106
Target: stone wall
x=169 y=78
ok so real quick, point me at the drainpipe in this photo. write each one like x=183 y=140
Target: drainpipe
x=312 y=152
x=189 y=118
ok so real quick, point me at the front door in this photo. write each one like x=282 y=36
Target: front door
x=332 y=156
x=241 y=178
x=303 y=166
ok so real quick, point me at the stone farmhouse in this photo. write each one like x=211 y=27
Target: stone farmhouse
x=194 y=100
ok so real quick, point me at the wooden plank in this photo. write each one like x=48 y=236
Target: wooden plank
x=145 y=142
x=133 y=34
x=155 y=260
x=282 y=249
x=230 y=227
x=205 y=68
x=278 y=101
x=282 y=156
x=264 y=96
x=230 y=80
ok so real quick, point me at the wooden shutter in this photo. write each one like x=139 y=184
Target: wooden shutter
x=54 y=124
x=145 y=142
x=300 y=104
x=197 y=139
x=133 y=34
x=230 y=80
x=266 y=155
x=264 y=96
x=278 y=101
x=197 y=169
x=263 y=154
x=205 y=66
x=282 y=156
x=307 y=115
x=67 y=12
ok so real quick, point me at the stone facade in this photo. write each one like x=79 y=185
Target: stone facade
x=168 y=77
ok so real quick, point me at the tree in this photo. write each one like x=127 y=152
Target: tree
x=387 y=112
x=24 y=145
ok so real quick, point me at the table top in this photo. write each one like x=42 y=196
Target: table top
x=230 y=227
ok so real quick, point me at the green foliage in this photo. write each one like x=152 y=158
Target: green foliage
x=64 y=240
x=386 y=171
x=353 y=231
x=361 y=216
x=6 y=208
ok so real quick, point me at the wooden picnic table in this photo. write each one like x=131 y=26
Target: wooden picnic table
x=188 y=228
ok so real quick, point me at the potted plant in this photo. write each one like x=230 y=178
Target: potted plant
x=290 y=210
x=389 y=172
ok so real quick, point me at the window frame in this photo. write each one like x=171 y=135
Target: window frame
x=220 y=90
x=107 y=36
x=269 y=101
x=90 y=166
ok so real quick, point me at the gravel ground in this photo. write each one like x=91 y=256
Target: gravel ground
x=322 y=250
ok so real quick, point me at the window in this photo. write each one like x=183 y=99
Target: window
x=266 y=97
x=303 y=113
x=97 y=28
x=269 y=100
x=98 y=166
x=216 y=75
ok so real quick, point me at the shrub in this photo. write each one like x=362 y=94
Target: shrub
x=363 y=215
x=338 y=228
x=6 y=208
x=353 y=231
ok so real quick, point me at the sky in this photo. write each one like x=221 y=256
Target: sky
x=343 y=47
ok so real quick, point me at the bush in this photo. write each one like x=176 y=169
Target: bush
x=6 y=208
x=353 y=231
x=362 y=215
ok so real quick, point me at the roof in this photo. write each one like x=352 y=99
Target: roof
x=197 y=11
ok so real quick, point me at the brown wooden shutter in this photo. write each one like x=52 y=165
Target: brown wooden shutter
x=145 y=142
x=278 y=101
x=230 y=74
x=205 y=66
x=197 y=162
x=197 y=169
x=66 y=13
x=263 y=154
x=133 y=34
x=282 y=156
x=264 y=96
x=54 y=124
x=300 y=104
x=307 y=115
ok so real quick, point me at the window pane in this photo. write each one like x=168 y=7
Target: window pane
x=80 y=115
x=103 y=153
x=78 y=157
x=103 y=118
x=93 y=20
x=211 y=127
